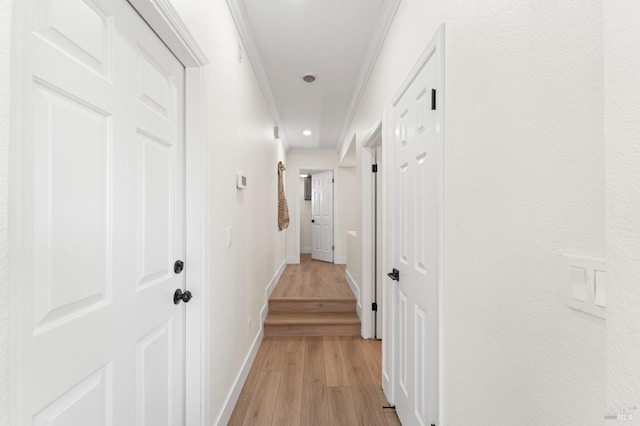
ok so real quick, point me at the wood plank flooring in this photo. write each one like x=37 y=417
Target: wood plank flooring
x=312 y=299
x=330 y=380
x=312 y=278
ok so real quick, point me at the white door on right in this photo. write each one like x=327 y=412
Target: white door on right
x=417 y=218
x=322 y=216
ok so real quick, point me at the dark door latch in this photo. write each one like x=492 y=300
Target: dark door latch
x=179 y=296
x=178 y=266
x=394 y=275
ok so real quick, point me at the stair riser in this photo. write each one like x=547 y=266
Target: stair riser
x=312 y=330
x=302 y=307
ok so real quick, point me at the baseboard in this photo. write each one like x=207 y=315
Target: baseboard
x=356 y=292
x=340 y=260
x=232 y=399
x=305 y=250
x=248 y=362
x=293 y=260
x=267 y=291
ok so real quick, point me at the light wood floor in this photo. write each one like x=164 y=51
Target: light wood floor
x=312 y=278
x=319 y=380
x=314 y=381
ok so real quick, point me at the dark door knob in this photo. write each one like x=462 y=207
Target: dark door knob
x=179 y=296
x=394 y=275
x=313 y=221
x=178 y=266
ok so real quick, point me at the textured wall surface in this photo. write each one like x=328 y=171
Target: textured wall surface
x=622 y=132
x=524 y=182
x=240 y=136
x=5 y=42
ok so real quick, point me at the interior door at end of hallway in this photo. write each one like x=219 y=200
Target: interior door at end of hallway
x=322 y=216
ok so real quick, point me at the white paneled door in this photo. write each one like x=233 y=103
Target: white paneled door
x=102 y=223
x=417 y=218
x=322 y=216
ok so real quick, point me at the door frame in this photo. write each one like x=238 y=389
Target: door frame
x=368 y=224
x=435 y=46
x=165 y=21
x=301 y=169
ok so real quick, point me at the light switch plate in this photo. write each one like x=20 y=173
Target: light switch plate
x=586 y=284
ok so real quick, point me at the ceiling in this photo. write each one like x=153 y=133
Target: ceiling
x=336 y=40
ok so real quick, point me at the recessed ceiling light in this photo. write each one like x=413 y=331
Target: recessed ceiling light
x=307 y=132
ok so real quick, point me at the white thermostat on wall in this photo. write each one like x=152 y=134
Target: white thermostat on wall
x=241 y=181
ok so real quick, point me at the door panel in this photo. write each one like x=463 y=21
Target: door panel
x=417 y=190
x=103 y=219
x=322 y=216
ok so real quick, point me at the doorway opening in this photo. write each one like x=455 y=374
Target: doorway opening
x=315 y=214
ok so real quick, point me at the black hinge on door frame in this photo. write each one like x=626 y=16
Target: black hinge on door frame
x=333 y=247
x=374 y=168
x=374 y=307
x=332 y=180
x=433 y=99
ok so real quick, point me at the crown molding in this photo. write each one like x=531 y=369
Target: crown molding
x=175 y=33
x=387 y=13
x=239 y=14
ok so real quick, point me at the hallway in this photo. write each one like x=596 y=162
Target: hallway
x=155 y=161
x=327 y=380
x=317 y=378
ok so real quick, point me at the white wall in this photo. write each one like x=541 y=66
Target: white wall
x=622 y=131
x=240 y=136
x=344 y=183
x=305 y=221
x=354 y=268
x=5 y=43
x=524 y=182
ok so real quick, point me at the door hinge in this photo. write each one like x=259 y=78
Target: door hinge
x=374 y=307
x=333 y=247
x=374 y=168
x=332 y=180
x=433 y=99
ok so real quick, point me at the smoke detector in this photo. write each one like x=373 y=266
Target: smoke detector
x=309 y=78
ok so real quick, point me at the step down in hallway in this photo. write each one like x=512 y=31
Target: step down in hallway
x=312 y=316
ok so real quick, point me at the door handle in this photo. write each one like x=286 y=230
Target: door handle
x=179 y=296
x=394 y=275
x=313 y=221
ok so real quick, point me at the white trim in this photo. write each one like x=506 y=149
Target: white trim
x=296 y=257
x=340 y=260
x=377 y=41
x=385 y=18
x=238 y=384
x=269 y=289
x=420 y=63
x=165 y=21
x=243 y=25
x=241 y=378
x=292 y=260
x=368 y=225
x=16 y=272
x=373 y=134
x=356 y=292
x=305 y=250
